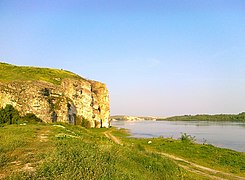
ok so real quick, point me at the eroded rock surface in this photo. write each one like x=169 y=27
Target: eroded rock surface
x=73 y=101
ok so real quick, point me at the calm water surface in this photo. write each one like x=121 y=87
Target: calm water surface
x=229 y=135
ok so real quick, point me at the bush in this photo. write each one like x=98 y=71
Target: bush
x=85 y=123
x=9 y=115
x=187 y=138
x=31 y=118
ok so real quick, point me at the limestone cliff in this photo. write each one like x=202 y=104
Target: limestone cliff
x=72 y=99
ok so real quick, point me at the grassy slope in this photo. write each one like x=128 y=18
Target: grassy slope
x=47 y=151
x=24 y=73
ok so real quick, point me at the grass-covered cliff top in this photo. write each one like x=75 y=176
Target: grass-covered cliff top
x=10 y=73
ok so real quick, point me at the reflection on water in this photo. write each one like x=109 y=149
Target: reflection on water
x=223 y=134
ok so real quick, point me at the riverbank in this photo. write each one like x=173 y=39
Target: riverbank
x=47 y=151
x=224 y=134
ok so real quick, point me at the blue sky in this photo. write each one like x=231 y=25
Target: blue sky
x=157 y=57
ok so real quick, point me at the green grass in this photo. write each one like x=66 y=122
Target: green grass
x=45 y=151
x=74 y=152
x=24 y=73
x=207 y=155
x=18 y=146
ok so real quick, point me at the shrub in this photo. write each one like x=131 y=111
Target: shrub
x=187 y=138
x=9 y=115
x=85 y=123
x=31 y=118
x=45 y=92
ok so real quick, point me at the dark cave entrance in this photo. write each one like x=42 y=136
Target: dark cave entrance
x=71 y=113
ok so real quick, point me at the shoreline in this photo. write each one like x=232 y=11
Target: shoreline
x=217 y=140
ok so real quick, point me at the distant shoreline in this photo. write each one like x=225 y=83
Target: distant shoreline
x=199 y=117
x=133 y=118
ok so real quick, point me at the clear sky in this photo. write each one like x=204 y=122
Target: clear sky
x=157 y=57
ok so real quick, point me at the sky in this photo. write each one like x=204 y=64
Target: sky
x=157 y=57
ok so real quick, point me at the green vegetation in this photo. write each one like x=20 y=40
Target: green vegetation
x=9 y=115
x=84 y=123
x=23 y=73
x=187 y=138
x=207 y=155
x=73 y=152
x=62 y=151
x=217 y=159
x=219 y=117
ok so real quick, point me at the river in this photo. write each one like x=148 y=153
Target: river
x=229 y=135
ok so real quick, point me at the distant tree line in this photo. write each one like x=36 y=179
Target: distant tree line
x=204 y=117
x=9 y=115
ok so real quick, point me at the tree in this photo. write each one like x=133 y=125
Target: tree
x=9 y=115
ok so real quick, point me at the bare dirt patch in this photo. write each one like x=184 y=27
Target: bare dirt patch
x=113 y=138
x=2 y=176
x=28 y=167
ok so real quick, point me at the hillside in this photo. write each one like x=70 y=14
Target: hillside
x=62 y=151
x=10 y=73
x=54 y=95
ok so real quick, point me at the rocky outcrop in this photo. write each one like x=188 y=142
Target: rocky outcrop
x=74 y=101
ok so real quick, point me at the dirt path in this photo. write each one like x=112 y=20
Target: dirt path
x=43 y=135
x=113 y=138
x=198 y=169
x=187 y=165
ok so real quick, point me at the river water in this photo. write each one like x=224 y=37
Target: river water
x=229 y=135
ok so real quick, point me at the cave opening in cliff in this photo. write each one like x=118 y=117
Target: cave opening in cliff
x=72 y=119
x=71 y=113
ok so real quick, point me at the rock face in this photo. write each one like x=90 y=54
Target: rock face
x=74 y=101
